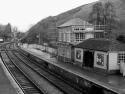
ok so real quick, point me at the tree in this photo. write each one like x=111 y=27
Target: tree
x=104 y=15
x=20 y=35
x=96 y=14
x=121 y=38
x=109 y=14
x=5 y=32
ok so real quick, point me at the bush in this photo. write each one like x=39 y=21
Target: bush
x=121 y=38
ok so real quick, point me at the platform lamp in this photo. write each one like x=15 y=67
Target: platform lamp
x=38 y=37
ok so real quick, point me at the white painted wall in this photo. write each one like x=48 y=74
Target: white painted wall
x=1 y=39
x=79 y=60
x=113 y=61
x=64 y=34
x=68 y=37
x=105 y=60
x=90 y=29
x=89 y=35
x=60 y=36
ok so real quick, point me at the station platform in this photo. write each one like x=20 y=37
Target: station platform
x=111 y=82
x=7 y=83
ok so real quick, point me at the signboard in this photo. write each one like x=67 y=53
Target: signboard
x=79 y=54
x=1 y=39
x=100 y=59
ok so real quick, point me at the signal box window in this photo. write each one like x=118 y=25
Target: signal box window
x=121 y=57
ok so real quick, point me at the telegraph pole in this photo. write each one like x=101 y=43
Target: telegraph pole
x=39 y=37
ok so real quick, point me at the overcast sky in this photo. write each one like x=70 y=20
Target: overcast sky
x=24 y=13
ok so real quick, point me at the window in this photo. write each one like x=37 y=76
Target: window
x=82 y=29
x=76 y=28
x=79 y=29
x=60 y=36
x=98 y=35
x=64 y=37
x=121 y=57
x=68 y=37
x=79 y=36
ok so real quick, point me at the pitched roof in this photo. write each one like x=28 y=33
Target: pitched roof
x=75 y=21
x=102 y=45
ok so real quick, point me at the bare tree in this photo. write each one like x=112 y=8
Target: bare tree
x=96 y=14
x=103 y=15
x=109 y=14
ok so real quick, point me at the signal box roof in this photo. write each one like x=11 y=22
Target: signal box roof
x=74 y=22
x=102 y=45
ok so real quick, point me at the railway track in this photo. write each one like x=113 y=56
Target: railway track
x=20 y=65
x=39 y=80
x=37 y=62
x=24 y=80
x=49 y=76
x=25 y=84
x=58 y=80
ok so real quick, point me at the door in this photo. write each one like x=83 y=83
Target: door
x=88 y=59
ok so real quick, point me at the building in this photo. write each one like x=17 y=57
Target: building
x=100 y=54
x=72 y=33
x=5 y=32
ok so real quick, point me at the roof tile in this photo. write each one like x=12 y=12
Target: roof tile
x=102 y=45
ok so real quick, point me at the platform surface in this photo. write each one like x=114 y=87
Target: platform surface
x=112 y=82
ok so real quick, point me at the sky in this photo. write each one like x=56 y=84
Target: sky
x=25 y=13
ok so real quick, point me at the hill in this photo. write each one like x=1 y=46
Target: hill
x=47 y=27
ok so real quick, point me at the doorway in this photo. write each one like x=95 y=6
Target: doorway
x=88 y=59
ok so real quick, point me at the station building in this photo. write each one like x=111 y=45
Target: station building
x=100 y=54
x=72 y=33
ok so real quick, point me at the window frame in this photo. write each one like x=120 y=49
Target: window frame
x=79 y=37
x=122 y=56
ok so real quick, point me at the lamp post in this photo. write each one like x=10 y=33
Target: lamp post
x=38 y=36
x=45 y=45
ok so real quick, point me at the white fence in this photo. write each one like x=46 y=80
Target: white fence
x=41 y=47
